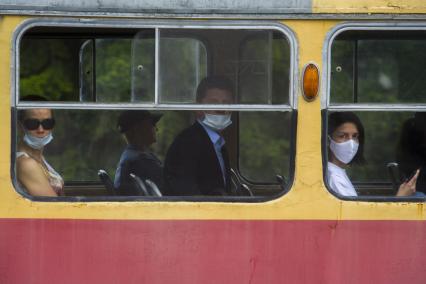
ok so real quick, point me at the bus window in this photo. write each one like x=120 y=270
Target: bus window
x=88 y=77
x=376 y=86
x=378 y=67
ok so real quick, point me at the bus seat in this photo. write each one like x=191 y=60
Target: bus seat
x=246 y=190
x=282 y=181
x=139 y=185
x=239 y=187
x=153 y=188
x=106 y=180
x=393 y=170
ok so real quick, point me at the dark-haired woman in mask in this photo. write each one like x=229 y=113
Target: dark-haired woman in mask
x=346 y=146
x=33 y=172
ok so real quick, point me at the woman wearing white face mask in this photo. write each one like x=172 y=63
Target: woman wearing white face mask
x=346 y=146
x=33 y=171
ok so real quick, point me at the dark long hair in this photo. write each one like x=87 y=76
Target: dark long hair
x=338 y=118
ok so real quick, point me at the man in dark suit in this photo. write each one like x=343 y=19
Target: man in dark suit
x=197 y=162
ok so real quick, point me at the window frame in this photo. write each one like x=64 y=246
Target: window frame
x=292 y=119
x=157 y=25
x=291 y=106
x=327 y=106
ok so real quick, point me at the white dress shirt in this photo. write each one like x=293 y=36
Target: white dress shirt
x=339 y=182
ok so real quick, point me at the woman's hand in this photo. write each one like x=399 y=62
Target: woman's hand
x=408 y=188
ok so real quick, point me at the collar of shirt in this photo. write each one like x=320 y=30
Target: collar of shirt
x=335 y=168
x=215 y=137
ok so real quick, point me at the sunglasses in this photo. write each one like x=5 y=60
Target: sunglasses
x=33 y=124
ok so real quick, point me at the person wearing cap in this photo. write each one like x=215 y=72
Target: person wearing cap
x=197 y=162
x=139 y=130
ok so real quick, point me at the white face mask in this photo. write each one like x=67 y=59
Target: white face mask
x=344 y=151
x=217 y=121
x=37 y=142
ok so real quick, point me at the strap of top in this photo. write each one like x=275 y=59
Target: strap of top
x=22 y=154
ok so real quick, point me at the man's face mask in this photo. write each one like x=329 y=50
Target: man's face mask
x=217 y=121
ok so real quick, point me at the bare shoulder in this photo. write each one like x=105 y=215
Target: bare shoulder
x=29 y=169
x=32 y=176
x=27 y=164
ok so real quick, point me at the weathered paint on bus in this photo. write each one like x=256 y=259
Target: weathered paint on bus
x=369 y=6
x=123 y=251
x=211 y=8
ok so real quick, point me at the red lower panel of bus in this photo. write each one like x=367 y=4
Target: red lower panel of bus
x=95 y=251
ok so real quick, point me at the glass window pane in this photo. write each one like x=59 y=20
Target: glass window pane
x=258 y=62
x=113 y=67
x=264 y=145
x=86 y=141
x=341 y=88
x=369 y=67
x=95 y=133
x=50 y=68
x=143 y=67
x=382 y=131
x=97 y=67
x=108 y=67
x=263 y=69
x=391 y=70
x=183 y=63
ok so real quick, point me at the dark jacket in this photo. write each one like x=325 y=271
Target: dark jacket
x=143 y=164
x=191 y=166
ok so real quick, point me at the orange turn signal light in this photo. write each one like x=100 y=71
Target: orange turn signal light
x=310 y=82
